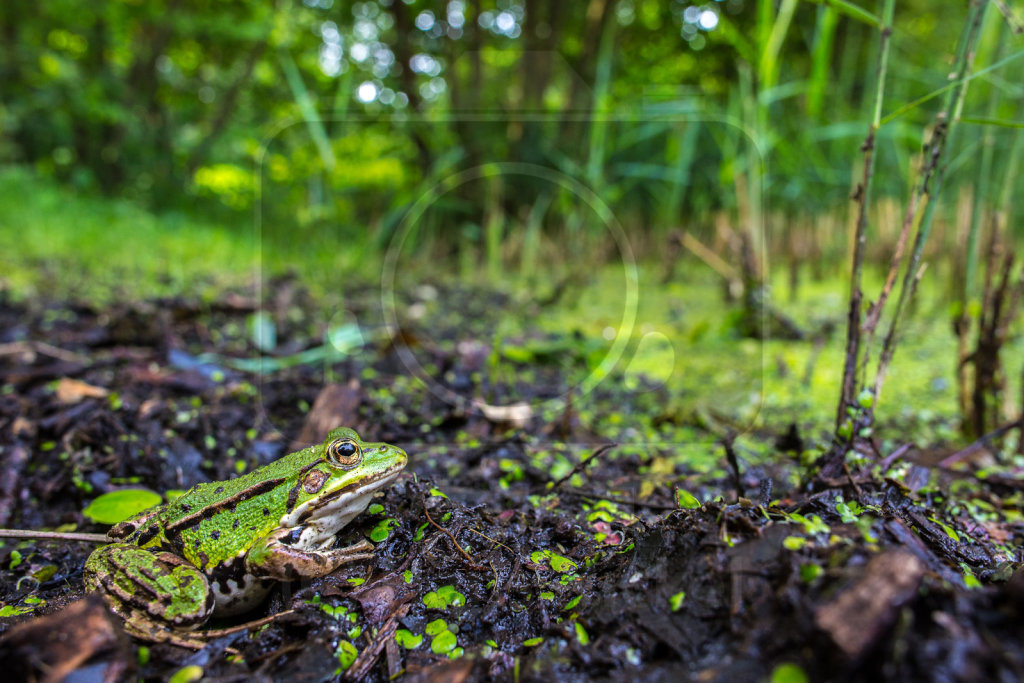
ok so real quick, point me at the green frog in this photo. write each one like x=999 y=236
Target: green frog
x=219 y=547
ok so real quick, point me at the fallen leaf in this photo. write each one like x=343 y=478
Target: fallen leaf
x=74 y=390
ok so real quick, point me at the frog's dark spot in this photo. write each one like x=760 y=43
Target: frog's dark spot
x=204 y=559
x=266 y=512
x=220 y=489
x=234 y=525
x=293 y=536
x=186 y=508
x=293 y=495
x=215 y=534
x=196 y=544
x=148 y=535
x=314 y=481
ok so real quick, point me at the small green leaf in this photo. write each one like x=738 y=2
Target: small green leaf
x=809 y=572
x=572 y=603
x=686 y=500
x=408 y=639
x=794 y=542
x=117 y=506
x=15 y=559
x=970 y=581
x=788 y=673
x=375 y=509
x=382 y=530
x=356 y=581
x=443 y=642
x=676 y=601
x=334 y=611
x=437 y=492
x=435 y=627
x=866 y=399
x=451 y=596
x=14 y=611
x=346 y=654
x=532 y=641
x=547 y=595
x=187 y=674
x=561 y=564
x=434 y=601
x=581 y=634
x=407 y=576
x=845 y=513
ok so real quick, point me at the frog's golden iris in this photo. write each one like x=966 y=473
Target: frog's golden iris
x=345 y=453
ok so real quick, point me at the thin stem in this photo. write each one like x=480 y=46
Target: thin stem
x=54 y=535
x=932 y=178
x=863 y=196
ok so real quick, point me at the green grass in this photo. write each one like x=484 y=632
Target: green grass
x=56 y=244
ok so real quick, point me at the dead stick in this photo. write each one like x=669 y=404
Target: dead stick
x=458 y=547
x=982 y=442
x=582 y=464
x=54 y=535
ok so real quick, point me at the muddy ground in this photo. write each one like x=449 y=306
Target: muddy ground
x=493 y=559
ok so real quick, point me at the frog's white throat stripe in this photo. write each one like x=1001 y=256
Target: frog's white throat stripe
x=327 y=517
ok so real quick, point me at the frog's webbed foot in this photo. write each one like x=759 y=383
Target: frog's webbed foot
x=272 y=559
x=140 y=585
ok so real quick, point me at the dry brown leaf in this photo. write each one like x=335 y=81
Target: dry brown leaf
x=74 y=390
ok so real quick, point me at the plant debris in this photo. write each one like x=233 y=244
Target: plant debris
x=518 y=544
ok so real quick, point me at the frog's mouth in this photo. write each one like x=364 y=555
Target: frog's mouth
x=321 y=518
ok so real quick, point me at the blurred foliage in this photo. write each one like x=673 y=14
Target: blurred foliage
x=329 y=112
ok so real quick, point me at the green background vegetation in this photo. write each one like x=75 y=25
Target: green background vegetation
x=159 y=148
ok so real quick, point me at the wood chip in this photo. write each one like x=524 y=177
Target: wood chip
x=863 y=612
x=74 y=390
x=516 y=415
x=337 y=405
x=50 y=648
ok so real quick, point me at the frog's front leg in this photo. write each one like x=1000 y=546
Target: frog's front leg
x=271 y=558
x=141 y=585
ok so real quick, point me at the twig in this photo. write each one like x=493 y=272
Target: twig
x=582 y=464
x=894 y=456
x=734 y=464
x=43 y=348
x=853 y=483
x=57 y=535
x=220 y=632
x=458 y=547
x=491 y=540
x=983 y=442
x=862 y=196
x=368 y=657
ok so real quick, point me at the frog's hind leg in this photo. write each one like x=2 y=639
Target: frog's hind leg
x=161 y=586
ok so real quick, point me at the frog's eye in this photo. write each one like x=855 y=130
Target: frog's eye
x=344 y=453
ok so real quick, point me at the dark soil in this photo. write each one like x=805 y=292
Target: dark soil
x=600 y=574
